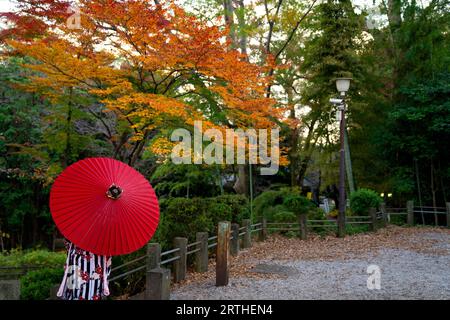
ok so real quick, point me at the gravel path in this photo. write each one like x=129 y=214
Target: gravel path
x=414 y=264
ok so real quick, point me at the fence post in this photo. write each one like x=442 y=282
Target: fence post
x=373 y=218
x=54 y=292
x=263 y=231
x=234 y=245
x=302 y=226
x=179 y=266
x=410 y=210
x=154 y=282
x=386 y=217
x=341 y=226
x=201 y=256
x=447 y=205
x=223 y=249
x=247 y=239
x=153 y=256
x=10 y=289
x=157 y=285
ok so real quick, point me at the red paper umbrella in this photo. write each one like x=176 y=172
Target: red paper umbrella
x=104 y=206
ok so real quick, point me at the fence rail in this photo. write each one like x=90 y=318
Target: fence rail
x=435 y=212
x=420 y=213
x=169 y=260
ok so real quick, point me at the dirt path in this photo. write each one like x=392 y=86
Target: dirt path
x=414 y=264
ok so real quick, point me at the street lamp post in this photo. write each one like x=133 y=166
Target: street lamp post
x=342 y=85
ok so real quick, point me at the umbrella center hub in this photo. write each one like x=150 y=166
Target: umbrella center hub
x=114 y=192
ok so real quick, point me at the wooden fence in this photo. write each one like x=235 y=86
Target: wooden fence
x=374 y=220
x=420 y=214
x=161 y=268
x=230 y=238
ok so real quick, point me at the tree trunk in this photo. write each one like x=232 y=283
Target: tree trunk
x=293 y=157
x=241 y=21
x=35 y=229
x=440 y=175
x=137 y=151
x=229 y=19
x=393 y=9
x=302 y=170
x=68 y=147
x=307 y=151
x=394 y=14
x=35 y=222
x=433 y=193
x=241 y=185
x=419 y=191
x=2 y=245
x=294 y=136
x=348 y=164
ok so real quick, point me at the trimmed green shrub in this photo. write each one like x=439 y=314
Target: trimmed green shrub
x=36 y=285
x=238 y=203
x=219 y=211
x=190 y=180
x=362 y=200
x=267 y=200
x=183 y=217
x=271 y=214
x=44 y=258
x=298 y=204
x=315 y=213
x=285 y=216
x=286 y=205
x=271 y=202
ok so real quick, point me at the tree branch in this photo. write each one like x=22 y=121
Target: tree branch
x=271 y=23
x=294 y=30
x=290 y=37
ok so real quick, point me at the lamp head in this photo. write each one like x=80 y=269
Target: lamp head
x=342 y=85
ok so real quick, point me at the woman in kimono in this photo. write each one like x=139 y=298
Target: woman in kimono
x=85 y=275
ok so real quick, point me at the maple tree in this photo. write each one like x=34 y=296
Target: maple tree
x=151 y=64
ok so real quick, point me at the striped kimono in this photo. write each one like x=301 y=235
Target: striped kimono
x=85 y=275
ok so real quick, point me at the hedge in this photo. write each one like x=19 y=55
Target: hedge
x=184 y=217
x=362 y=200
x=36 y=284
